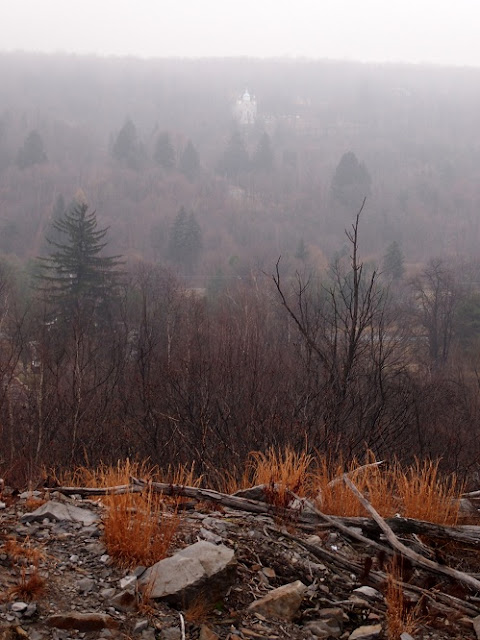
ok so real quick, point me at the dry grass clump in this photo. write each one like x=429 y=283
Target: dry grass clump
x=426 y=496
x=31 y=584
x=137 y=529
x=199 y=610
x=402 y=617
x=374 y=482
x=23 y=552
x=282 y=472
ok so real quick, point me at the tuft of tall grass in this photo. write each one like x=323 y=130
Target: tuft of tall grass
x=31 y=584
x=335 y=498
x=401 y=617
x=137 y=528
x=282 y=472
x=425 y=495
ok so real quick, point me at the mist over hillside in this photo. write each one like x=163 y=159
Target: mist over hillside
x=412 y=128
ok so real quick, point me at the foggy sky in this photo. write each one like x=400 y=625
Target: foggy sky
x=432 y=31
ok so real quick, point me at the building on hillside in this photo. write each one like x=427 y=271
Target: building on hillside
x=245 y=109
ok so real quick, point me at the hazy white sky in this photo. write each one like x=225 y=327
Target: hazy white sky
x=435 y=31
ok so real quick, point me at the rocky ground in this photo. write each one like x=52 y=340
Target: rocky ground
x=240 y=576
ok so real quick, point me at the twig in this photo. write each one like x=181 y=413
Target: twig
x=339 y=479
x=182 y=625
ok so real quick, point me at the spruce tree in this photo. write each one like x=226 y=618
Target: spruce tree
x=393 y=262
x=75 y=277
x=164 y=154
x=127 y=148
x=185 y=242
x=351 y=182
x=190 y=162
x=32 y=151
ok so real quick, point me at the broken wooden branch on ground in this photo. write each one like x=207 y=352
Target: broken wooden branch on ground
x=415 y=557
x=468 y=535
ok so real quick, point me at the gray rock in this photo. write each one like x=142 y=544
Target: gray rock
x=59 y=511
x=367 y=632
x=125 y=601
x=172 y=633
x=476 y=626
x=3 y=505
x=181 y=576
x=85 y=585
x=31 y=610
x=128 y=581
x=282 y=603
x=109 y=592
x=140 y=626
x=406 y=636
x=19 y=607
x=29 y=494
x=369 y=592
x=205 y=534
x=324 y=628
x=139 y=571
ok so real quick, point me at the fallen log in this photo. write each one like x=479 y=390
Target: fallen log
x=415 y=557
x=468 y=535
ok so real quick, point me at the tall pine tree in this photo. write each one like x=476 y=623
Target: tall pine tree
x=75 y=277
x=185 y=242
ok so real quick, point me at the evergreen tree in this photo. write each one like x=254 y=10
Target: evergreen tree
x=164 y=154
x=185 y=242
x=263 y=157
x=190 y=162
x=32 y=151
x=393 y=260
x=351 y=182
x=127 y=148
x=302 y=252
x=235 y=157
x=75 y=277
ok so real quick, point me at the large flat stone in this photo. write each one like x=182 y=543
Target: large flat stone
x=60 y=511
x=201 y=565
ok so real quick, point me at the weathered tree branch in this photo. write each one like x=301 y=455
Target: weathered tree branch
x=415 y=557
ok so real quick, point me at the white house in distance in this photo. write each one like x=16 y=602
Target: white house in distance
x=245 y=109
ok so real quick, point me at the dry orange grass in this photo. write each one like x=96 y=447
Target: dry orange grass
x=31 y=584
x=282 y=472
x=419 y=492
x=335 y=498
x=23 y=551
x=401 y=617
x=137 y=529
x=199 y=610
x=426 y=496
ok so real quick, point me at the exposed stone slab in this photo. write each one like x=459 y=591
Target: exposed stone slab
x=282 y=602
x=201 y=564
x=60 y=511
